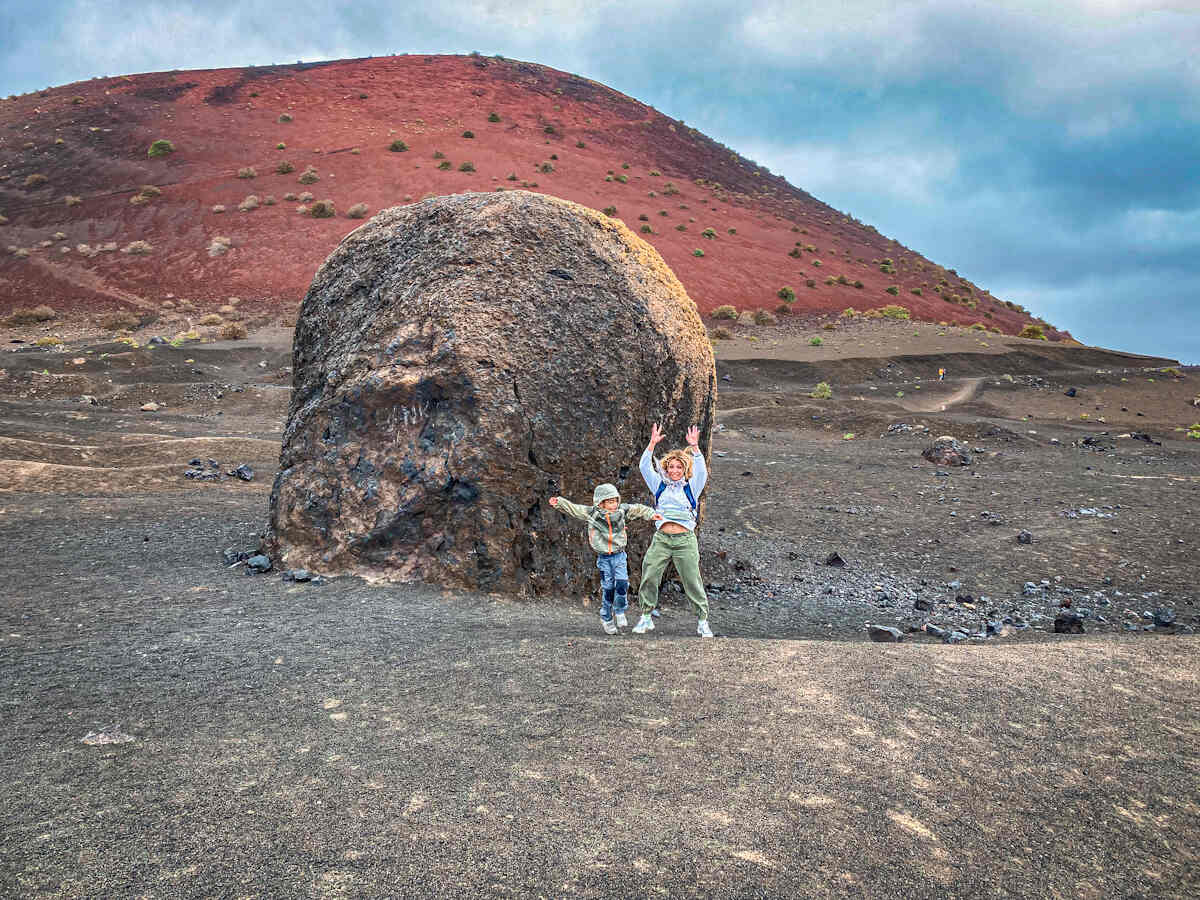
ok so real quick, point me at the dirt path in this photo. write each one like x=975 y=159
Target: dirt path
x=967 y=390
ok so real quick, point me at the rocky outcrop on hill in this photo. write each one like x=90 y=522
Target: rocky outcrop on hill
x=460 y=360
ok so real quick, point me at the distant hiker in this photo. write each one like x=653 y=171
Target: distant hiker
x=676 y=482
x=941 y=374
x=606 y=519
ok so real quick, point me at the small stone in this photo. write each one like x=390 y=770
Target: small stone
x=954 y=637
x=1164 y=618
x=1024 y=537
x=923 y=604
x=150 y=407
x=1068 y=623
x=934 y=630
x=297 y=575
x=835 y=559
x=244 y=472
x=885 y=634
x=259 y=563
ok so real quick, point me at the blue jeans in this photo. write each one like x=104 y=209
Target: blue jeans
x=614 y=579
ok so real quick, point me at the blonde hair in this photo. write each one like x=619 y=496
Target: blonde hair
x=684 y=457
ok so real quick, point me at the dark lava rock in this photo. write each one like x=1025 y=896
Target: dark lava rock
x=835 y=559
x=1142 y=436
x=954 y=637
x=884 y=634
x=297 y=575
x=259 y=563
x=947 y=451
x=1070 y=392
x=232 y=557
x=1164 y=618
x=934 y=630
x=445 y=385
x=1024 y=537
x=923 y=604
x=157 y=341
x=244 y=472
x=1068 y=623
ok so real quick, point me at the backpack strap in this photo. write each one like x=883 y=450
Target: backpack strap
x=687 y=491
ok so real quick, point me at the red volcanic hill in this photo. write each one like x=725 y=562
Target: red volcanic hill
x=392 y=130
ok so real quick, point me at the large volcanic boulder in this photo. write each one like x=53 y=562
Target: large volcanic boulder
x=459 y=361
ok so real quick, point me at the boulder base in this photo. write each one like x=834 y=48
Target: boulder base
x=459 y=361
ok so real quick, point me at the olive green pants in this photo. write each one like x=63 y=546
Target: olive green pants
x=682 y=550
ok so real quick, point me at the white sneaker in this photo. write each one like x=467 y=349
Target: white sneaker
x=702 y=628
x=609 y=627
x=645 y=623
x=622 y=622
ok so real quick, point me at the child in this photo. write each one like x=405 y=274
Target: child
x=675 y=540
x=606 y=519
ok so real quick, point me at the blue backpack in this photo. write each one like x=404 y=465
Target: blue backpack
x=687 y=490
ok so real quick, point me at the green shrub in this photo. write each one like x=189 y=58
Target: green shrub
x=697 y=252
x=815 y=342
x=160 y=148
x=1033 y=331
x=580 y=144
x=624 y=165
x=398 y=146
x=549 y=129
x=681 y=227
x=786 y=294
x=546 y=168
x=708 y=233
x=309 y=176
x=609 y=210
x=891 y=311
x=762 y=317
x=468 y=134
x=654 y=173
x=893 y=289
x=285 y=118
x=733 y=231
x=646 y=229
x=466 y=167
x=916 y=291
x=27 y=316
x=822 y=391
x=493 y=117
x=810 y=282
x=248 y=172
x=284 y=167
x=281 y=146
x=438 y=154
x=725 y=312
x=976 y=326
x=445 y=165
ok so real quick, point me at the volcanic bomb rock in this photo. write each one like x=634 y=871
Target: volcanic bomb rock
x=459 y=361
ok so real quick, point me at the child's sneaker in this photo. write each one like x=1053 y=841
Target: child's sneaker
x=609 y=627
x=645 y=623
x=622 y=622
x=702 y=628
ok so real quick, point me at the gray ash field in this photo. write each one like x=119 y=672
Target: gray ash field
x=346 y=739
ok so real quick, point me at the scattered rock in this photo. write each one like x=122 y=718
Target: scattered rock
x=111 y=735
x=1142 y=436
x=884 y=634
x=150 y=407
x=835 y=559
x=297 y=575
x=244 y=472
x=1068 y=623
x=1070 y=392
x=947 y=451
x=923 y=604
x=233 y=557
x=1024 y=537
x=258 y=563
x=1164 y=618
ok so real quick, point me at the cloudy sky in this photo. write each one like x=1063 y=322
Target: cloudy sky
x=1048 y=151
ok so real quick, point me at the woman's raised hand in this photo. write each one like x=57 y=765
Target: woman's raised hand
x=656 y=434
x=693 y=437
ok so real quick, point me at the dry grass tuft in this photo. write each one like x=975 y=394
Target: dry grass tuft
x=219 y=245
x=309 y=176
x=322 y=209
x=119 y=321
x=72 y=200
x=251 y=202
x=357 y=211
x=211 y=319
x=248 y=172
x=137 y=248
x=233 y=331
x=35 y=180
x=31 y=316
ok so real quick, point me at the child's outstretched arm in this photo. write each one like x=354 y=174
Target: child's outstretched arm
x=574 y=510
x=635 y=511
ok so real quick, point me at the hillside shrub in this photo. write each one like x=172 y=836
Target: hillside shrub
x=309 y=176
x=49 y=341
x=219 y=245
x=976 y=326
x=786 y=294
x=893 y=289
x=160 y=147
x=281 y=146
x=72 y=200
x=817 y=263
x=305 y=197
x=322 y=209
x=466 y=167
x=733 y=231
x=493 y=117
x=137 y=248
x=468 y=134
x=708 y=233
x=268 y=200
x=119 y=321
x=624 y=179
x=438 y=154
x=580 y=144
x=725 y=312
x=35 y=180
x=681 y=227
x=546 y=168
x=284 y=117
x=646 y=229
x=815 y=342
x=248 y=172
x=283 y=167
x=251 y=202
x=398 y=146
x=762 y=317
x=822 y=391
x=891 y=311
x=219 y=208
x=697 y=252
x=233 y=331
x=720 y=334
x=549 y=129
x=211 y=319
x=669 y=189
x=1034 y=332
x=608 y=178
x=916 y=291
x=31 y=316
x=445 y=165
x=609 y=210
x=357 y=211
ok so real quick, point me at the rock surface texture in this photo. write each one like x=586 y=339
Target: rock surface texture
x=459 y=361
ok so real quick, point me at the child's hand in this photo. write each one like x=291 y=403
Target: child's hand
x=693 y=437
x=657 y=517
x=554 y=501
x=656 y=434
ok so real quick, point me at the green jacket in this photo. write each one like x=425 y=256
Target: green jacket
x=606 y=530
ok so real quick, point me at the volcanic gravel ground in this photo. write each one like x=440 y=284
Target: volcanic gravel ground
x=343 y=739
